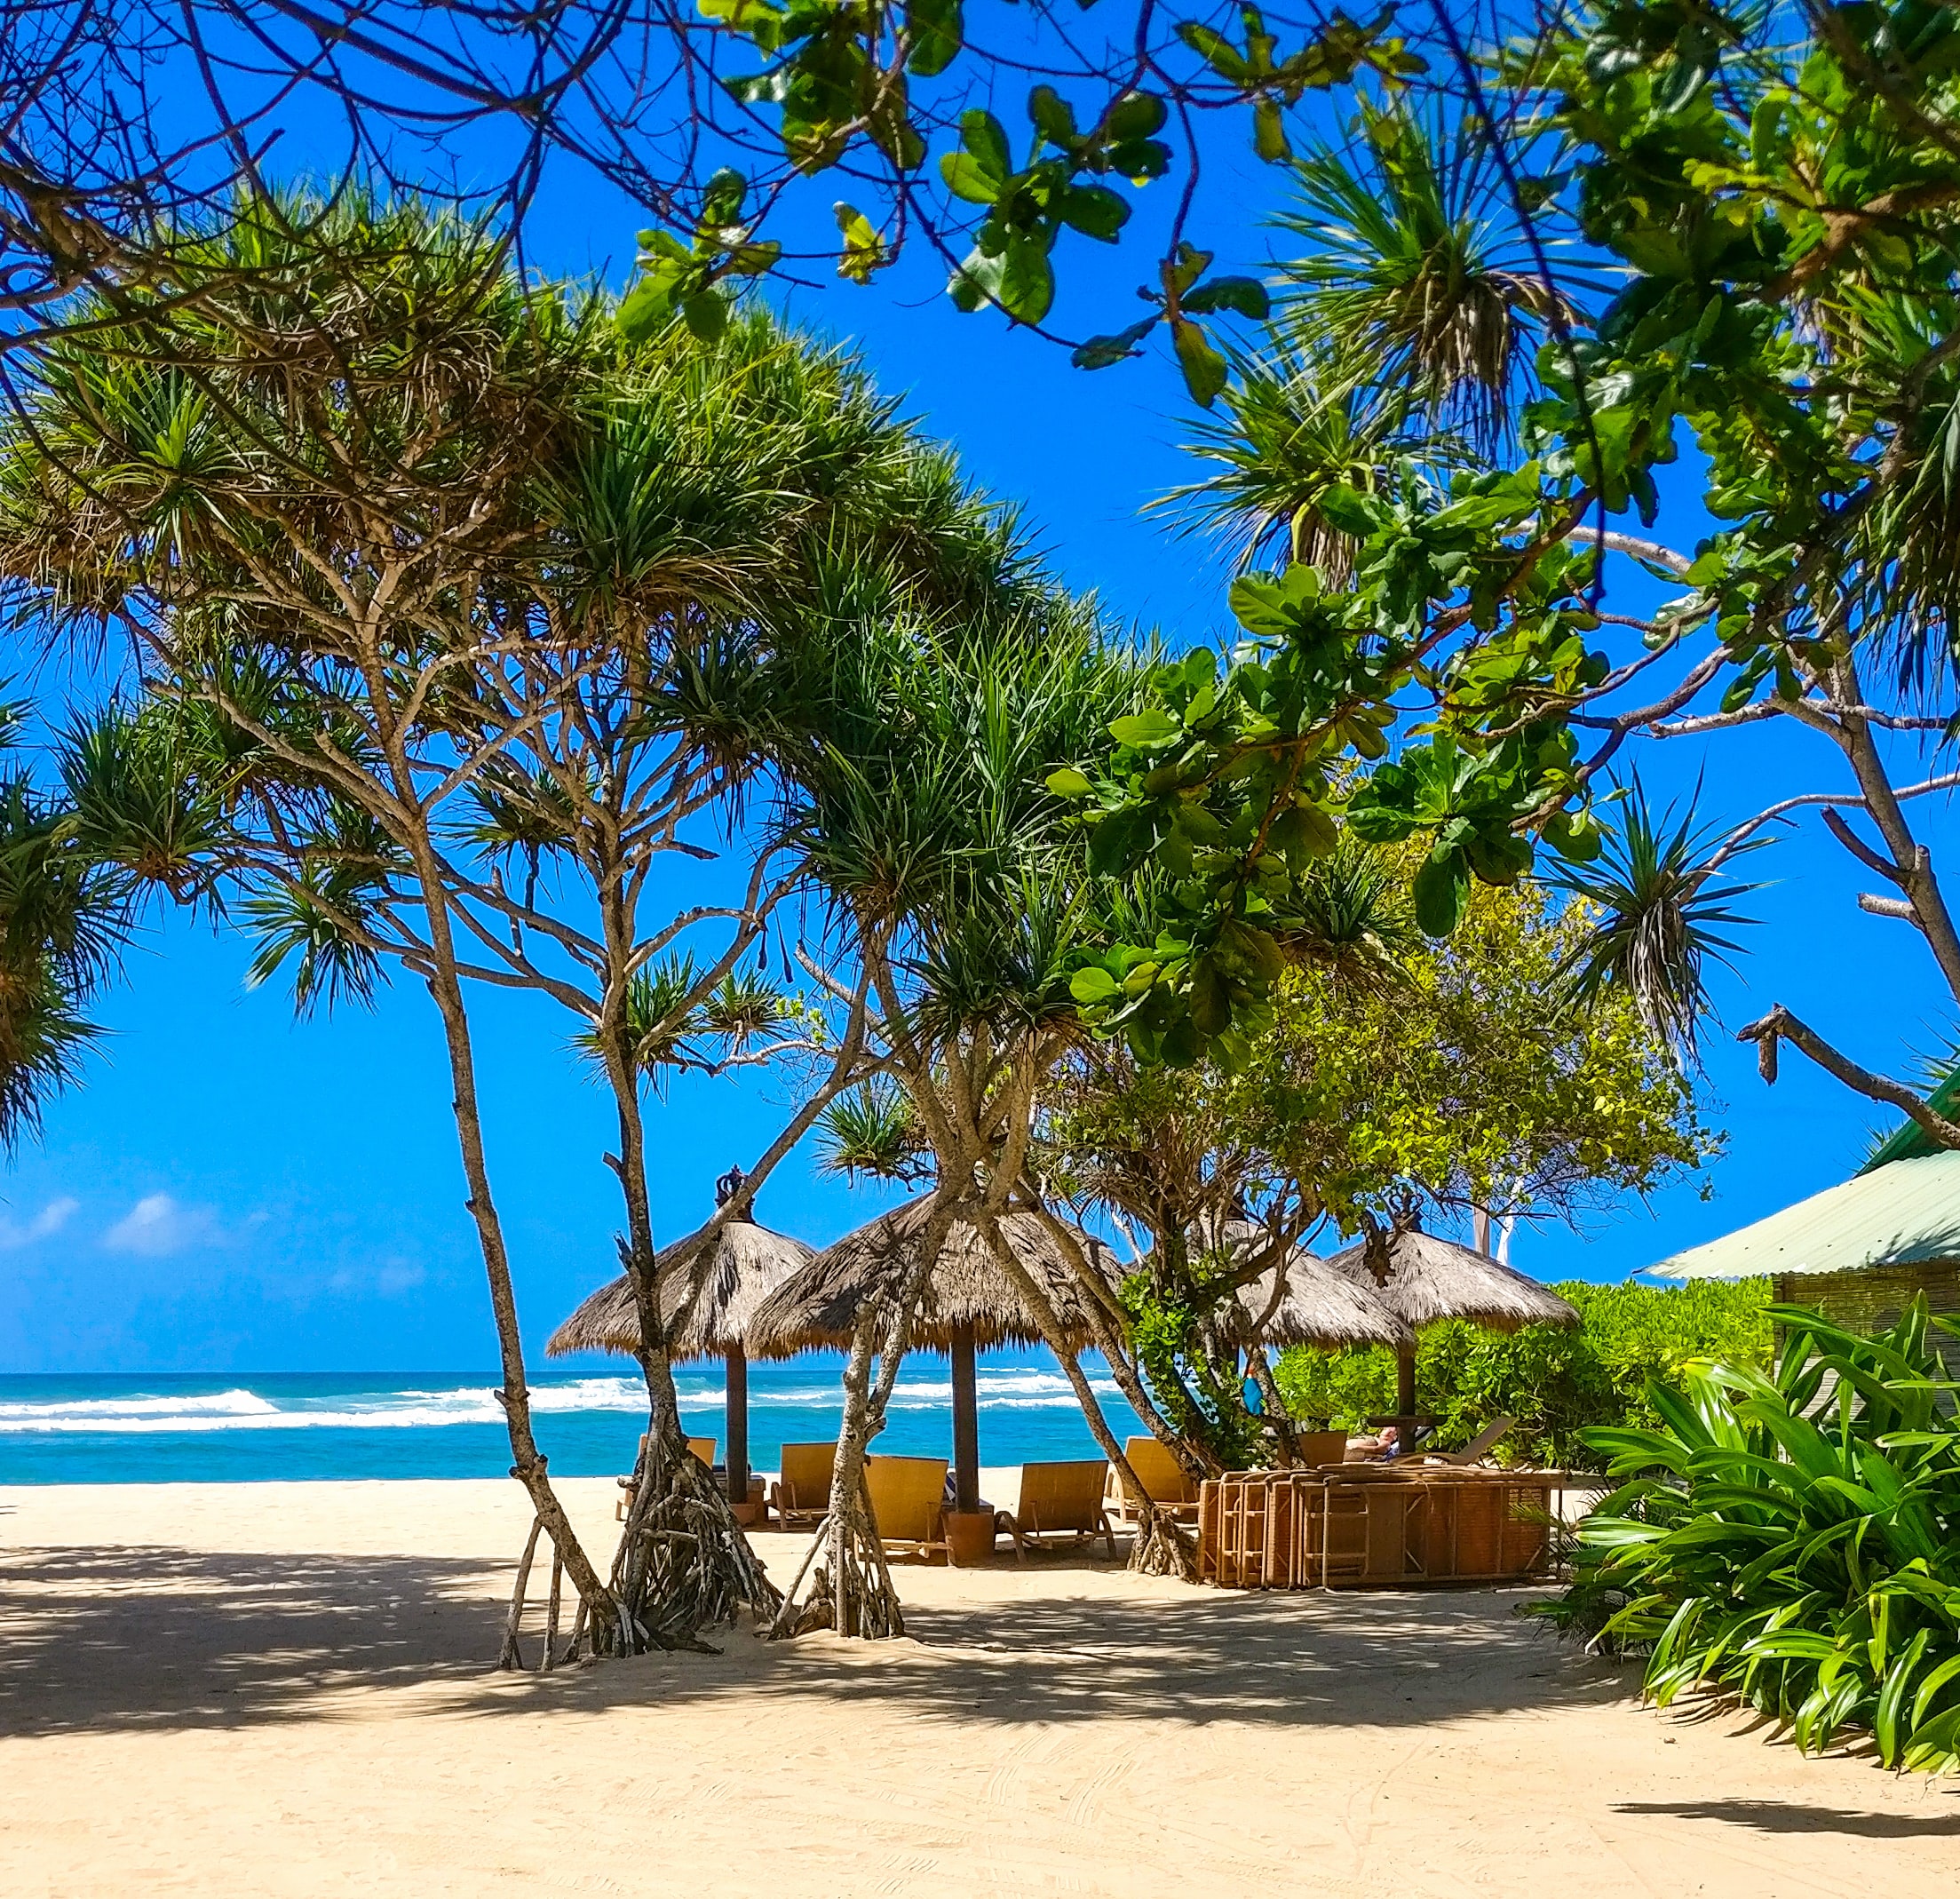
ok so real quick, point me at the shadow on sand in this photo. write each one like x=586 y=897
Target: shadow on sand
x=1773 y=1816
x=159 y=1638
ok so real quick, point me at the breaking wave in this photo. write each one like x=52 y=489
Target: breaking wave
x=241 y=1409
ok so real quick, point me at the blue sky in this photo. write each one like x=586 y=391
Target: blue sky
x=234 y=1191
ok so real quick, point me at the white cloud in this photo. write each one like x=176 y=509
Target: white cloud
x=50 y=1219
x=157 y=1225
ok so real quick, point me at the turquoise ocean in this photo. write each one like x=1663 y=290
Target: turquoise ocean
x=238 y=1427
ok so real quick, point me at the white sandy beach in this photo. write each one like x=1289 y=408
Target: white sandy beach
x=283 y=1689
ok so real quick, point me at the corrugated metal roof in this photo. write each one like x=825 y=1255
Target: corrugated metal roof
x=1907 y=1214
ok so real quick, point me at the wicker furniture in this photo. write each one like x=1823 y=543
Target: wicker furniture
x=1369 y=1526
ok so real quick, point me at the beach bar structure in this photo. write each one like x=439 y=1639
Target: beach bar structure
x=1859 y=1251
x=746 y=1264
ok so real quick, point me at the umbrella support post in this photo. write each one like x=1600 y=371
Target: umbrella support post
x=736 y=1363
x=965 y=1421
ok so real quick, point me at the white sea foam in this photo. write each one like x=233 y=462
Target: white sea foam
x=240 y=1409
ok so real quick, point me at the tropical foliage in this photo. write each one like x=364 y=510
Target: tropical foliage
x=1556 y=1383
x=1791 y=1537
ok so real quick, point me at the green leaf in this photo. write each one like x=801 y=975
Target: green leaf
x=1147 y=731
x=706 y=314
x=1093 y=985
x=1349 y=511
x=1101 y=353
x=1215 y=50
x=967 y=176
x=1026 y=280
x=1054 y=116
x=1116 y=843
x=1095 y=210
x=981 y=134
x=1441 y=890
x=1210 y=998
x=1135 y=116
x=864 y=250
x=937 y=32
x=1069 y=783
x=1205 y=372
x=1245 y=295
x=1269 y=138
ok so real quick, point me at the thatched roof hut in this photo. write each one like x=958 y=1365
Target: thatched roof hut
x=749 y=1263
x=1304 y=1301
x=1430 y=1279
x=818 y=1306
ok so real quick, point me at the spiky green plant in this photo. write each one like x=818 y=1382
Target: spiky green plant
x=1793 y=1540
x=1414 y=268
x=1662 y=907
x=873 y=1131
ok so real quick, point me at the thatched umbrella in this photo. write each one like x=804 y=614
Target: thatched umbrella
x=968 y=1303
x=1315 y=1305
x=1422 y=1279
x=748 y=1264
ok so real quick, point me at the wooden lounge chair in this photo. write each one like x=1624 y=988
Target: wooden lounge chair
x=1163 y=1480
x=1060 y=1500
x=908 y=1497
x=703 y=1448
x=1475 y=1450
x=802 y=1494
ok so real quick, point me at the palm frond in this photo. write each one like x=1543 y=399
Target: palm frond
x=1662 y=906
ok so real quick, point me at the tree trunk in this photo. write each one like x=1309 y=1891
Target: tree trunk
x=853 y=1591
x=528 y=1464
x=684 y=1563
x=1161 y=1548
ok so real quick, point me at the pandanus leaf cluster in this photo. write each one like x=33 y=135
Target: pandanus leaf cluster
x=1792 y=1539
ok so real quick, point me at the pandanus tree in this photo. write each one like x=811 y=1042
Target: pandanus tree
x=715 y=492
x=508 y=739
x=956 y=884
x=296 y=494
x=64 y=914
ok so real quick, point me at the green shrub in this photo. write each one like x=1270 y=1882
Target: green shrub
x=1555 y=1381
x=1793 y=1540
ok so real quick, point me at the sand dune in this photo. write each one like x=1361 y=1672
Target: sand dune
x=280 y=1690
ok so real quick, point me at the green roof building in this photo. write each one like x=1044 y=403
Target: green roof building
x=1860 y=1250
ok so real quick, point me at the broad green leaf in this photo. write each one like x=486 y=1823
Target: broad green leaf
x=1269 y=138
x=937 y=32
x=1146 y=730
x=1441 y=889
x=1093 y=985
x=967 y=176
x=1246 y=295
x=1095 y=210
x=1102 y=353
x=981 y=134
x=1205 y=371
x=1069 y=783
